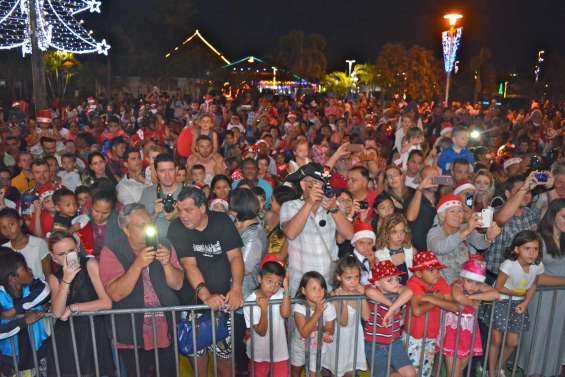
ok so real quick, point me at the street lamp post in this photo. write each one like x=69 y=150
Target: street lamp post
x=450 y=41
x=350 y=64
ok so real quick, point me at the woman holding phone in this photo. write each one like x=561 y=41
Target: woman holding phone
x=76 y=287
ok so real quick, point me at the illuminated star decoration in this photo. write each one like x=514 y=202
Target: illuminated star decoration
x=56 y=26
x=450 y=44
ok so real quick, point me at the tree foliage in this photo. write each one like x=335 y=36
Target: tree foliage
x=60 y=68
x=302 y=54
x=484 y=75
x=338 y=82
x=415 y=71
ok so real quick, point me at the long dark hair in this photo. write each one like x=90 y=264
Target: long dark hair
x=546 y=229
x=304 y=282
x=107 y=170
x=348 y=261
x=522 y=238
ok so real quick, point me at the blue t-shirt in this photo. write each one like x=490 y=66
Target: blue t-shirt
x=449 y=155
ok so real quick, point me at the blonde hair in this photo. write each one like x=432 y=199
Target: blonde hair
x=386 y=229
x=491 y=188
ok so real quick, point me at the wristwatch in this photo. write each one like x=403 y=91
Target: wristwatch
x=333 y=210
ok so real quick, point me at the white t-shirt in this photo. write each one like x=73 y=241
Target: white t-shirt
x=34 y=252
x=329 y=315
x=519 y=280
x=299 y=344
x=261 y=343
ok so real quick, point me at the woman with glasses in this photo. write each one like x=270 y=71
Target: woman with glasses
x=76 y=287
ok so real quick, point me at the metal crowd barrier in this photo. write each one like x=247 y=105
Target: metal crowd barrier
x=175 y=311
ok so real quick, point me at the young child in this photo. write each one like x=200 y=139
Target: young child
x=198 y=174
x=84 y=199
x=34 y=249
x=395 y=244
x=458 y=150
x=363 y=241
x=383 y=322
x=70 y=178
x=43 y=211
x=273 y=285
x=469 y=290
x=19 y=294
x=181 y=175
x=431 y=294
x=67 y=218
x=517 y=282
x=314 y=290
x=347 y=283
x=412 y=141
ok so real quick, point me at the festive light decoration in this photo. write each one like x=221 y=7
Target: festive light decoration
x=197 y=34
x=450 y=42
x=55 y=26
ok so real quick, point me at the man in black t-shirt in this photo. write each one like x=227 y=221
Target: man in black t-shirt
x=209 y=248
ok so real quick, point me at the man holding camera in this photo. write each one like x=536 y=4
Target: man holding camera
x=310 y=224
x=139 y=270
x=160 y=198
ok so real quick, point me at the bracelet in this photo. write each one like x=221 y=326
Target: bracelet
x=65 y=282
x=199 y=288
x=286 y=293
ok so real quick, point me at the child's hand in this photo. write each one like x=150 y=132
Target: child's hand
x=285 y=282
x=327 y=337
x=263 y=302
x=32 y=317
x=320 y=307
x=388 y=318
x=521 y=308
x=66 y=314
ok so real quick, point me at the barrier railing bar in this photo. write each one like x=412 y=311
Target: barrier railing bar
x=155 y=348
x=175 y=344
x=136 y=354
x=214 y=342
x=359 y=305
x=473 y=336
x=115 y=345
x=338 y=330
x=74 y=341
x=94 y=347
x=54 y=347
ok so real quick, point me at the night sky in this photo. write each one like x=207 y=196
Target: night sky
x=514 y=29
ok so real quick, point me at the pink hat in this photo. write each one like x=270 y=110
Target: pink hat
x=44 y=116
x=464 y=185
x=475 y=270
x=448 y=201
x=362 y=230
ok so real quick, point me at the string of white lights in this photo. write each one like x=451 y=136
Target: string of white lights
x=450 y=43
x=56 y=26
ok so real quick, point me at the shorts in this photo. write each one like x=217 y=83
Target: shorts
x=223 y=347
x=298 y=351
x=399 y=357
x=415 y=349
x=262 y=368
x=514 y=322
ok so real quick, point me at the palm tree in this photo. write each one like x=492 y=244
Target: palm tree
x=338 y=82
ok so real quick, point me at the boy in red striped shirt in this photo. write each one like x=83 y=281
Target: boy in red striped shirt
x=383 y=327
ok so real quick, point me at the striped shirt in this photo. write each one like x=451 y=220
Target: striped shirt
x=374 y=329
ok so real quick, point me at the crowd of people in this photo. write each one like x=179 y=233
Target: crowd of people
x=419 y=207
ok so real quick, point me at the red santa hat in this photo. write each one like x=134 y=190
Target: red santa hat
x=445 y=128
x=44 y=116
x=464 y=185
x=362 y=230
x=292 y=114
x=46 y=191
x=448 y=201
x=91 y=100
x=511 y=161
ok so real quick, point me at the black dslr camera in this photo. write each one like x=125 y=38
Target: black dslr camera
x=169 y=203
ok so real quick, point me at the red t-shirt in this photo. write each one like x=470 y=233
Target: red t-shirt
x=420 y=288
x=184 y=142
x=374 y=329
